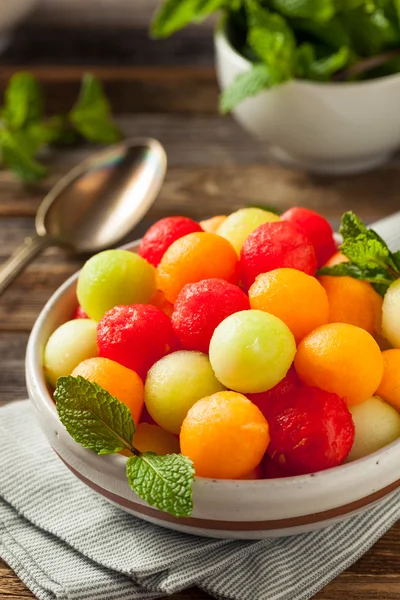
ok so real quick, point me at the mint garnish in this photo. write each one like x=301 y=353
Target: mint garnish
x=25 y=130
x=162 y=481
x=100 y=422
x=93 y=417
x=173 y=15
x=91 y=115
x=369 y=257
x=246 y=85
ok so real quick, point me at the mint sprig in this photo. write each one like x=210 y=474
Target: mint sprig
x=176 y=14
x=93 y=417
x=162 y=481
x=100 y=422
x=91 y=115
x=370 y=258
x=319 y=10
x=246 y=85
x=25 y=131
x=23 y=101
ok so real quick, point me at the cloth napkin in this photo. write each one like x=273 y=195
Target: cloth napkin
x=65 y=542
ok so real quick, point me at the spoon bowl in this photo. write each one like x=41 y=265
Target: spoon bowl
x=104 y=197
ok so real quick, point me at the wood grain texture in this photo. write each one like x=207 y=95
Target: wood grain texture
x=128 y=45
x=214 y=168
x=100 y=13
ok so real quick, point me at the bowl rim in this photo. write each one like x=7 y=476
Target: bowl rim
x=224 y=45
x=44 y=402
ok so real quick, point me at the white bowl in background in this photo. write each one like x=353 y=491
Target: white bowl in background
x=12 y=12
x=320 y=127
x=222 y=508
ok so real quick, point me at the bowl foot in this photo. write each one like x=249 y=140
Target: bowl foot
x=340 y=167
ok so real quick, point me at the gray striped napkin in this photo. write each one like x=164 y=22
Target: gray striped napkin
x=65 y=542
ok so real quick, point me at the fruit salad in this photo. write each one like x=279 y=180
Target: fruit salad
x=247 y=346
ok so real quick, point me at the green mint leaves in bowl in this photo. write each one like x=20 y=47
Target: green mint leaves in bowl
x=103 y=424
x=316 y=40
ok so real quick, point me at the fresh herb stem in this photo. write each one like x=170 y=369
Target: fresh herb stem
x=364 y=66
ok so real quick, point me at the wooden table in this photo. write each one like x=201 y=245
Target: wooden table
x=214 y=167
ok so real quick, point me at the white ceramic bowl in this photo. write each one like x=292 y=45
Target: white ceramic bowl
x=321 y=127
x=222 y=508
x=11 y=13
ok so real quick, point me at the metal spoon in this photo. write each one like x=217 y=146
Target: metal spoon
x=96 y=204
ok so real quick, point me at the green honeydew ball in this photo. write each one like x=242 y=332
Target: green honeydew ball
x=240 y=224
x=391 y=314
x=175 y=383
x=251 y=351
x=69 y=345
x=112 y=278
x=376 y=423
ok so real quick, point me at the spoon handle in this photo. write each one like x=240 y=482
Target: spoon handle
x=22 y=256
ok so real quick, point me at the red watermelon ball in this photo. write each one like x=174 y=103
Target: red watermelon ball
x=162 y=234
x=273 y=246
x=316 y=228
x=201 y=307
x=312 y=431
x=269 y=400
x=136 y=336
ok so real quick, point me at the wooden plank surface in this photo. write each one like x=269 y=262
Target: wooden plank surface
x=214 y=168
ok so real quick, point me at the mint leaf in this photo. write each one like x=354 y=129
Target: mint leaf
x=172 y=16
x=176 y=14
x=365 y=252
x=91 y=115
x=305 y=56
x=351 y=226
x=370 y=31
x=397 y=7
x=376 y=275
x=309 y=67
x=333 y=33
x=346 y=5
x=362 y=245
x=204 y=8
x=23 y=101
x=319 y=10
x=272 y=39
x=323 y=68
x=246 y=85
x=17 y=154
x=92 y=416
x=163 y=481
